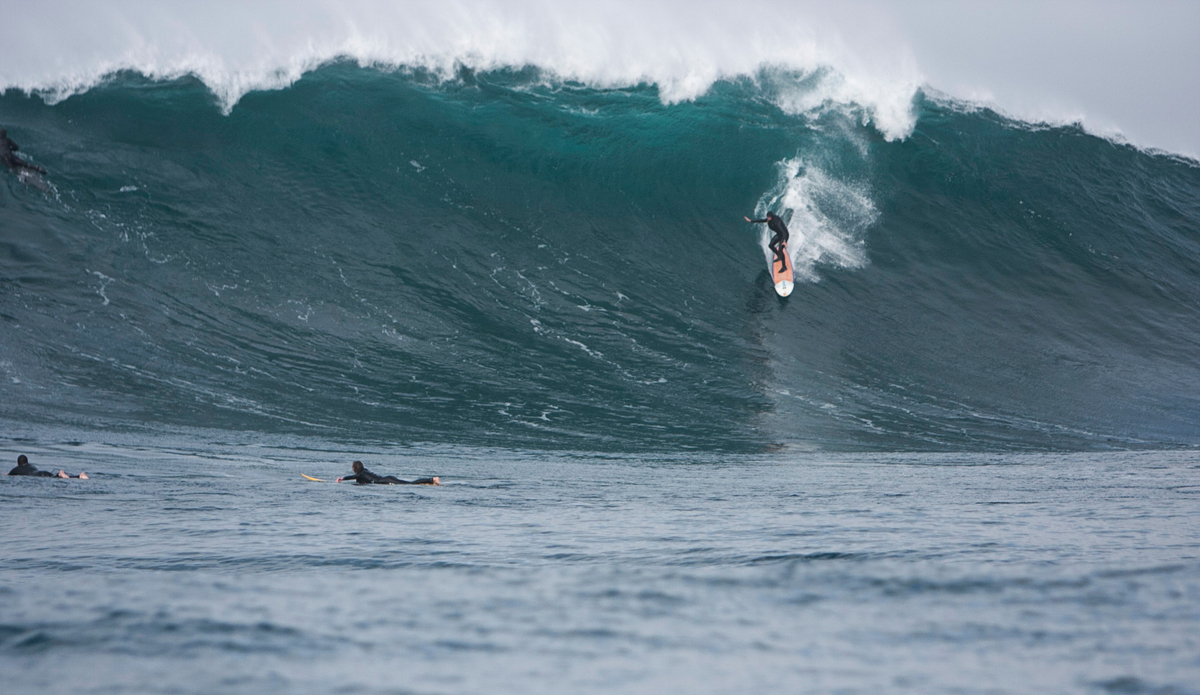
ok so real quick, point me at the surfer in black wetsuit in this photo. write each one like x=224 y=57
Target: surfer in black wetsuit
x=363 y=476
x=24 y=467
x=8 y=150
x=775 y=224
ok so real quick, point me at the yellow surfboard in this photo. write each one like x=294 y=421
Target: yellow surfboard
x=309 y=477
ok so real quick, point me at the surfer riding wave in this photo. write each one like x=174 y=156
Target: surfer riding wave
x=775 y=224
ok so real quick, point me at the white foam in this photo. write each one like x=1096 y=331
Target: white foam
x=1122 y=69
x=827 y=219
x=59 y=48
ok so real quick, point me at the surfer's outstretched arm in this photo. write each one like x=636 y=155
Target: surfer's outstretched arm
x=754 y=221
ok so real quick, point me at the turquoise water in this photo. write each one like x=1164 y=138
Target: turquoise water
x=501 y=260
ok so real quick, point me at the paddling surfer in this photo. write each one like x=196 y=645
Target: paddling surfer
x=8 y=150
x=24 y=467
x=775 y=224
x=363 y=477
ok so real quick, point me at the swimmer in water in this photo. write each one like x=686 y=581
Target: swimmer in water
x=363 y=476
x=24 y=467
x=8 y=155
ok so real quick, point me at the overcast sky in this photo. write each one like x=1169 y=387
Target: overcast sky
x=1128 y=66
x=1119 y=67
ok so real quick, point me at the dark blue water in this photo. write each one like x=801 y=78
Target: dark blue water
x=960 y=458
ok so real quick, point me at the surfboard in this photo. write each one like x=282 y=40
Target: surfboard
x=309 y=477
x=781 y=273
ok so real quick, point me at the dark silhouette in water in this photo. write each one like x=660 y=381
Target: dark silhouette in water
x=8 y=155
x=364 y=476
x=28 y=174
x=24 y=467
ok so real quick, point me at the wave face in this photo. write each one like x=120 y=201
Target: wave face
x=505 y=259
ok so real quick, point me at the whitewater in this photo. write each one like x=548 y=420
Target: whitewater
x=502 y=243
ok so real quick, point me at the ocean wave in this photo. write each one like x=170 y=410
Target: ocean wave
x=502 y=259
x=236 y=49
x=875 y=55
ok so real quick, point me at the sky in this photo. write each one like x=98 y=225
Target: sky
x=1129 y=70
x=1128 y=67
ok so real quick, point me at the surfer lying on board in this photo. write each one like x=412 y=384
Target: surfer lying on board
x=24 y=467
x=775 y=224
x=8 y=155
x=364 y=476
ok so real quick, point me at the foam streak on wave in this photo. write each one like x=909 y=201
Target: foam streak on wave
x=827 y=217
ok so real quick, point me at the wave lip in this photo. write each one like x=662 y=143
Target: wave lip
x=239 y=49
x=1039 y=64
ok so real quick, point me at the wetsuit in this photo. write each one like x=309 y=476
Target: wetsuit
x=8 y=149
x=367 y=477
x=775 y=224
x=30 y=469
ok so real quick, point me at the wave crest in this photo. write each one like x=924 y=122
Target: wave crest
x=239 y=49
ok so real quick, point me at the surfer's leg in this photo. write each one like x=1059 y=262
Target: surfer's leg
x=392 y=480
x=778 y=249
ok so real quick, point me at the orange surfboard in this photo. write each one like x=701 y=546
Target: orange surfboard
x=781 y=273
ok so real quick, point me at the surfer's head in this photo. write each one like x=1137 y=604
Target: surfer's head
x=770 y=214
x=22 y=460
x=357 y=467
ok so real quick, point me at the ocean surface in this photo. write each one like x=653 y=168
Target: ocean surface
x=962 y=457
x=222 y=570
